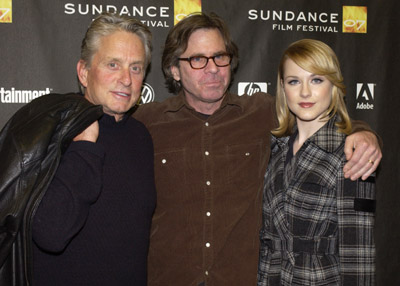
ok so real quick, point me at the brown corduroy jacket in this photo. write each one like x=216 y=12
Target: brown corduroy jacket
x=209 y=176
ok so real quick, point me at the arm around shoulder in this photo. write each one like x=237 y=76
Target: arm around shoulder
x=363 y=151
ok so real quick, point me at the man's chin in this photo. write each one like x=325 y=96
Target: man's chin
x=214 y=95
x=119 y=112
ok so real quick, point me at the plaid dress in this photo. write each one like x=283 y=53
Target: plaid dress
x=317 y=226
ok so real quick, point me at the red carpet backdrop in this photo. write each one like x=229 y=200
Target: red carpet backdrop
x=40 y=44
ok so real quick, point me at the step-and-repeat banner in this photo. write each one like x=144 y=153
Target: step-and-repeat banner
x=40 y=45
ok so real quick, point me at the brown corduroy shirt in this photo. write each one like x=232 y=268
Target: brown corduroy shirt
x=209 y=177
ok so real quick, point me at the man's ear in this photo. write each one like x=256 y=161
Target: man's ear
x=176 y=73
x=82 y=72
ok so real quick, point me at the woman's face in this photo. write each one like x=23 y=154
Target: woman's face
x=308 y=95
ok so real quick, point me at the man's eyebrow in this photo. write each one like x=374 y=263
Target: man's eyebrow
x=203 y=55
x=114 y=59
x=137 y=62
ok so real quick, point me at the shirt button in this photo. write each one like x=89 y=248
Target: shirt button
x=207 y=153
x=208 y=183
x=206 y=273
x=206 y=124
x=208 y=244
x=208 y=213
x=247 y=154
x=164 y=161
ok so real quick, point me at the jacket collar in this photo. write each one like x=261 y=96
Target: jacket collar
x=327 y=137
x=179 y=101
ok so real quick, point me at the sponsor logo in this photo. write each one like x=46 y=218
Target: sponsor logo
x=152 y=16
x=251 y=88
x=304 y=21
x=148 y=94
x=5 y=11
x=21 y=96
x=354 y=19
x=182 y=8
x=365 y=95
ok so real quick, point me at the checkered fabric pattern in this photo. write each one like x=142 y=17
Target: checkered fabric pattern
x=317 y=226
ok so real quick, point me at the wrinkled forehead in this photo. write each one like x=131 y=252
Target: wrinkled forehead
x=205 y=41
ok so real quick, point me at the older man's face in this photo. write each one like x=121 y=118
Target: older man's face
x=115 y=75
x=205 y=88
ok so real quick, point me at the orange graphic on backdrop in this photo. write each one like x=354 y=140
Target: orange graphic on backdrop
x=182 y=8
x=354 y=19
x=5 y=11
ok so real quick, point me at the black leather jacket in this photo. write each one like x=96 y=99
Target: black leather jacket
x=31 y=144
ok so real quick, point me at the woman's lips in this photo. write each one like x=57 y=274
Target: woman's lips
x=306 y=104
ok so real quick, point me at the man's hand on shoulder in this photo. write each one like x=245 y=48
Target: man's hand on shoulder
x=89 y=134
x=363 y=154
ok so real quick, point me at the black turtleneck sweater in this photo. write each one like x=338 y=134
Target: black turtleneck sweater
x=92 y=226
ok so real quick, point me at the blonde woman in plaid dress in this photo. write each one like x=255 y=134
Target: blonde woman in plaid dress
x=317 y=226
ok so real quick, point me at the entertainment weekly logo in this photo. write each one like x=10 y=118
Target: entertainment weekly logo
x=13 y=95
x=354 y=20
x=365 y=96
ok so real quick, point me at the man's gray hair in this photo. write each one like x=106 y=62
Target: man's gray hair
x=108 y=23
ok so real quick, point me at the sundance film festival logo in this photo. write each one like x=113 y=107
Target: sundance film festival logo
x=5 y=11
x=365 y=95
x=354 y=19
x=292 y=20
x=251 y=88
x=182 y=8
x=328 y=21
x=154 y=15
x=147 y=93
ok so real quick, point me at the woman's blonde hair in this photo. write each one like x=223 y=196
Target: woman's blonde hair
x=318 y=58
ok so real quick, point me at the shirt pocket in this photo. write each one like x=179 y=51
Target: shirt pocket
x=244 y=163
x=169 y=168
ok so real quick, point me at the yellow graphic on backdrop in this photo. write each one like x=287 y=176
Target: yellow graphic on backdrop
x=5 y=11
x=354 y=19
x=182 y=8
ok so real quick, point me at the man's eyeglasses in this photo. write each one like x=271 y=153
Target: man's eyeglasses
x=199 y=62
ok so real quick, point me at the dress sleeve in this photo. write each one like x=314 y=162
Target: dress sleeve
x=356 y=215
x=75 y=187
